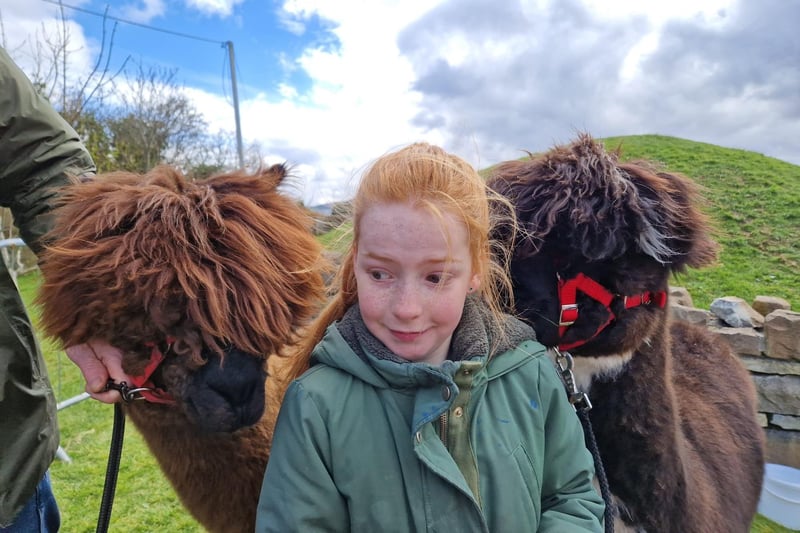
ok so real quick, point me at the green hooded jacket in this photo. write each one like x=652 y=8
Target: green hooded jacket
x=366 y=442
x=38 y=153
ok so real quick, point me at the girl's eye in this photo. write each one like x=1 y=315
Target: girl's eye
x=435 y=278
x=378 y=275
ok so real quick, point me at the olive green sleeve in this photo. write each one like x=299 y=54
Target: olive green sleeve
x=39 y=152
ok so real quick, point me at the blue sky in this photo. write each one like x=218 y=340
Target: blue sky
x=328 y=85
x=191 y=41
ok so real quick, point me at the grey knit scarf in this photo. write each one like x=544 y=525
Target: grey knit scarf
x=474 y=336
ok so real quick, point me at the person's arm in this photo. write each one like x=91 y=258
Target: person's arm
x=39 y=152
x=570 y=501
x=298 y=493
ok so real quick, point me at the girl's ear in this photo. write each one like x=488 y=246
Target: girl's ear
x=475 y=283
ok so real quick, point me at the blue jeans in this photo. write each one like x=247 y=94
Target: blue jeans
x=40 y=514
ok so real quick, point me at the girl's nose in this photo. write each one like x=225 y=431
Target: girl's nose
x=408 y=302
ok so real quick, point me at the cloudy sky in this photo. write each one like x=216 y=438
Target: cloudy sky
x=329 y=85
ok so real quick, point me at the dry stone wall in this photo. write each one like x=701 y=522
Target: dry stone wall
x=765 y=334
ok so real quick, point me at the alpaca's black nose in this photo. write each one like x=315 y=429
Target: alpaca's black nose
x=228 y=395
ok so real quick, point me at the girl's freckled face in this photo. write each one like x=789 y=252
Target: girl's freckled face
x=413 y=271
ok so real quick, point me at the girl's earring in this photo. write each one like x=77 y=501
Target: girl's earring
x=472 y=289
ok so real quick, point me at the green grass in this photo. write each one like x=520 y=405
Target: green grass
x=764 y=525
x=753 y=200
x=337 y=239
x=145 y=501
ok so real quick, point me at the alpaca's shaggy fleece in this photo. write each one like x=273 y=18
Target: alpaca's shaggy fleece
x=674 y=410
x=220 y=273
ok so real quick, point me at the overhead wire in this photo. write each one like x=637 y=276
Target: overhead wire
x=224 y=44
x=134 y=23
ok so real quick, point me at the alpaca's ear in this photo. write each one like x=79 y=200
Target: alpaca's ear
x=703 y=252
x=275 y=173
x=258 y=184
x=690 y=226
x=671 y=225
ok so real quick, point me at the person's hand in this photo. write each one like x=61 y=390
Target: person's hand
x=98 y=362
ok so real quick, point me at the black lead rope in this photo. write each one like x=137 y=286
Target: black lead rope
x=580 y=401
x=114 y=455
x=605 y=490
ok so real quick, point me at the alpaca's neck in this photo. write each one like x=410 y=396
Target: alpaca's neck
x=635 y=421
x=217 y=477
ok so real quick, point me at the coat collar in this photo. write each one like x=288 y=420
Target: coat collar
x=350 y=346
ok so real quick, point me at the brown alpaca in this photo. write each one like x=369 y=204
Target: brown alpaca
x=674 y=411
x=218 y=274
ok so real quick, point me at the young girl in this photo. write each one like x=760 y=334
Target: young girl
x=425 y=407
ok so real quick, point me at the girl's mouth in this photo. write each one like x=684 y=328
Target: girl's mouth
x=406 y=336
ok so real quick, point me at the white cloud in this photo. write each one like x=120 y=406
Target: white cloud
x=654 y=15
x=716 y=72
x=220 y=8
x=359 y=101
x=657 y=12
x=143 y=11
x=489 y=78
x=27 y=27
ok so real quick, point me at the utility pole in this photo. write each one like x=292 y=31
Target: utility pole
x=232 y=61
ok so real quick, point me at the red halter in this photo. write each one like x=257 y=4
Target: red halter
x=142 y=383
x=567 y=295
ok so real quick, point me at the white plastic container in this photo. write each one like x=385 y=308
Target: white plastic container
x=780 y=495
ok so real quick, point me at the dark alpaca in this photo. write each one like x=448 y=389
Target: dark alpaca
x=216 y=275
x=674 y=411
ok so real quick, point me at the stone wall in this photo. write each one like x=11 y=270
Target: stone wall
x=766 y=337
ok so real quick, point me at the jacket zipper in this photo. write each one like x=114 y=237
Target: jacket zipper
x=443 y=428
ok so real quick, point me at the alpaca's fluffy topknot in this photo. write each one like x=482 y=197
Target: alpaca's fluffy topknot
x=225 y=260
x=603 y=206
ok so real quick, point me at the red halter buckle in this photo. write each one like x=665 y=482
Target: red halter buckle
x=568 y=315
